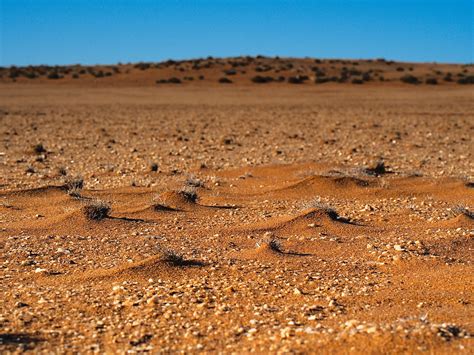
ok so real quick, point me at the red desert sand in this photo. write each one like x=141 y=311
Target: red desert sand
x=237 y=205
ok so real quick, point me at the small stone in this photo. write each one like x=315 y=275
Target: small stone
x=371 y=330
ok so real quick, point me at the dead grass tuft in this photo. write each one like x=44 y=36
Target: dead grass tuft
x=97 y=210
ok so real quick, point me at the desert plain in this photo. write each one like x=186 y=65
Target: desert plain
x=237 y=205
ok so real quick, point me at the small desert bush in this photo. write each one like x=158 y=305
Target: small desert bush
x=154 y=167
x=274 y=245
x=230 y=72
x=466 y=80
x=448 y=77
x=193 y=181
x=30 y=170
x=409 y=79
x=225 y=81
x=189 y=193
x=97 y=210
x=62 y=171
x=174 y=80
x=174 y=258
x=271 y=241
x=462 y=210
x=73 y=186
x=39 y=148
x=366 y=77
x=320 y=205
x=259 y=79
x=74 y=183
x=378 y=169
x=431 y=81
x=54 y=76
x=322 y=80
x=295 y=80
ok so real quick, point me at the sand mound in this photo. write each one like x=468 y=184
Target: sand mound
x=320 y=184
x=175 y=200
x=37 y=192
x=261 y=252
x=460 y=221
x=305 y=222
x=154 y=267
x=269 y=251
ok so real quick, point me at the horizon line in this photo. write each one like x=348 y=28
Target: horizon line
x=183 y=59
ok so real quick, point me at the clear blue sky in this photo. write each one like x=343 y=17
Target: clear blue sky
x=111 y=31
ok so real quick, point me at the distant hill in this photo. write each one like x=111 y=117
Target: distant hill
x=246 y=71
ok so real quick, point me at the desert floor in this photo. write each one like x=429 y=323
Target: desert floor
x=264 y=224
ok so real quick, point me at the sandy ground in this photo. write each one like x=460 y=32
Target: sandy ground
x=242 y=218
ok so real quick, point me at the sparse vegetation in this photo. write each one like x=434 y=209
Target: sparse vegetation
x=230 y=72
x=30 y=170
x=62 y=171
x=409 y=79
x=275 y=245
x=297 y=79
x=259 y=79
x=320 y=205
x=97 y=210
x=172 y=80
x=271 y=241
x=54 y=76
x=378 y=169
x=73 y=186
x=174 y=258
x=189 y=193
x=225 y=81
x=431 y=81
x=74 y=183
x=466 y=80
x=154 y=167
x=193 y=181
x=448 y=77
x=39 y=148
x=463 y=210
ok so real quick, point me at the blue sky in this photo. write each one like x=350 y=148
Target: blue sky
x=111 y=31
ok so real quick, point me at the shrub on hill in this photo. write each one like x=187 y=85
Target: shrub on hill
x=225 y=81
x=230 y=72
x=366 y=76
x=410 y=79
x=259 y=79
x=299 y=79
x=448 y=77
x=96 y=210
x=357 y=81
x=54 y=76
x=466 y=80
x=174 y=80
